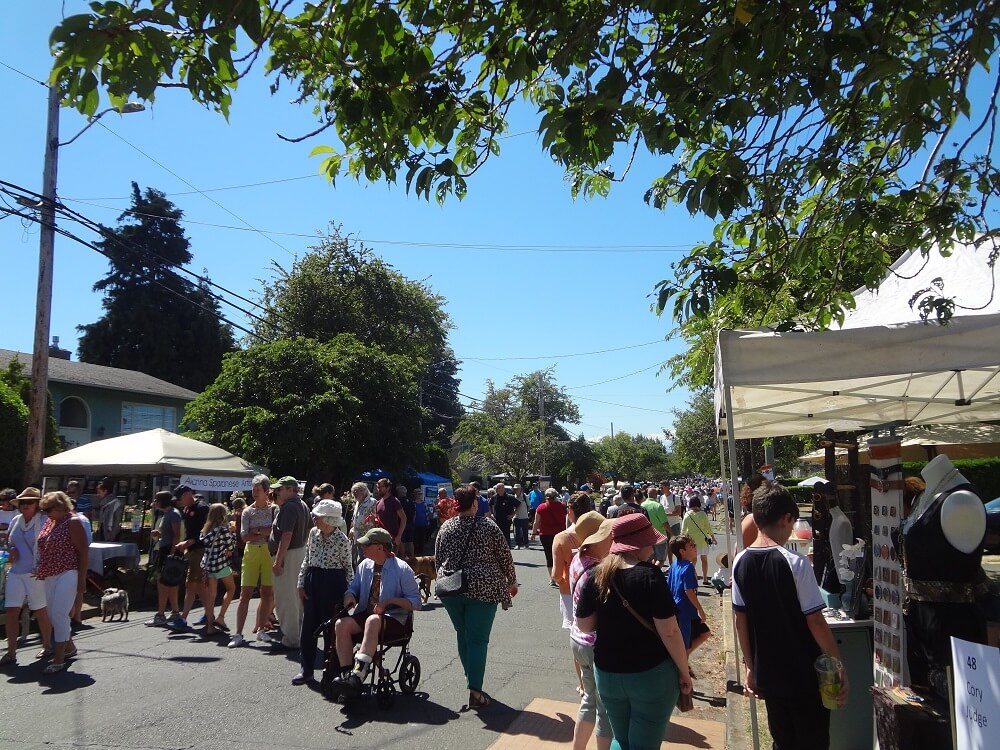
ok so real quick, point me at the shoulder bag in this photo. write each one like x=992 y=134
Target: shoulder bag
x=684 y=700
x=452 y=581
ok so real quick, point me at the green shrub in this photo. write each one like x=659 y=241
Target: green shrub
x=983 y=473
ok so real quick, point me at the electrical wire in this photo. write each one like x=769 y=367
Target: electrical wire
x=167 y=169
x=539 y=248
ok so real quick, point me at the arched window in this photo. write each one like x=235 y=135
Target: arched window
x=73 y=413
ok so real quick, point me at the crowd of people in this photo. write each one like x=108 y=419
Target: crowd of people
x=624 y=562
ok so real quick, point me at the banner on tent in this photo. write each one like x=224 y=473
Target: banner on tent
x=217 y=484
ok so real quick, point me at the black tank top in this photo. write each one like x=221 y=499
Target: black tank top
x=929 y=556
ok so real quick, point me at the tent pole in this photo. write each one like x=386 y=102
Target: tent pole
x=738 y=517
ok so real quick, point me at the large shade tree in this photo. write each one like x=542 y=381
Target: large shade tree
x=155 y=319
x=318 y=410
x=823 y=137
x=339 y=286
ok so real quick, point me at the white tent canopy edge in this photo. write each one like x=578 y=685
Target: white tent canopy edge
x=805 y=382
x=151 y=452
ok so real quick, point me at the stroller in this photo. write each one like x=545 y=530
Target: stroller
x=387 y=675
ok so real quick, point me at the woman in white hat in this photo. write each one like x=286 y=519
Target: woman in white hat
x=22 y=586
x=595 y=530
x=323 y=578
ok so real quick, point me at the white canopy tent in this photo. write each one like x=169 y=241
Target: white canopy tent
x=882 y=367
x=964 y=275
x=150 y=452
x=769 y=384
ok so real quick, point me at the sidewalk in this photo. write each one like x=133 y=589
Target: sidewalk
x=545 y=724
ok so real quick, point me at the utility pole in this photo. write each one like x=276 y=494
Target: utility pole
x=39 y=406
x=541 y=414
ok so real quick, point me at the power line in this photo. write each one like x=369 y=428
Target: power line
x=528 y=247
x=611 y=380
x=21 y=72
x=567 y=356
x=623 y=406
x=193 y=187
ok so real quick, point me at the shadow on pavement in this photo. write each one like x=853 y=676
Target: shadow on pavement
x=406 y=709
x=499 y=717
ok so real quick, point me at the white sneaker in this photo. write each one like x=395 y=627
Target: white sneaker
x=236 y=641
x=264 y=637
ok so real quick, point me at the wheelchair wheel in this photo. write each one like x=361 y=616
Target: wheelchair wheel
x=385 y=694
x=409 y=674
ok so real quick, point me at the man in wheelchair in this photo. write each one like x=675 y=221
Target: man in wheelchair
x=384 y=594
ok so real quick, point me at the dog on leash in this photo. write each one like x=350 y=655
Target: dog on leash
x=425 y=573
x=114 y=602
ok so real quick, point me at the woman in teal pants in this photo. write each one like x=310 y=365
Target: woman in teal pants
x=640 y=663
x=477 y=547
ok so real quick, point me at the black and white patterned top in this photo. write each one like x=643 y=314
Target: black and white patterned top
x=488 y=565
x=330 y=552
x=219 y=545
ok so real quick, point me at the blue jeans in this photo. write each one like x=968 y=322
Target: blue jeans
x=639 y=704
x=521 y=532
x=473 y=621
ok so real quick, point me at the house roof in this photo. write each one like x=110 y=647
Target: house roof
x=99 y=376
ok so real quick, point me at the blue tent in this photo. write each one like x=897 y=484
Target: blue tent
x=426 y=477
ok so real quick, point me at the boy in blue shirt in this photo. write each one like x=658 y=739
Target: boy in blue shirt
x=684 y=586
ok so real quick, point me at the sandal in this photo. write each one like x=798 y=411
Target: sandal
x=55 y=667
x=71 y=654
x=45 y=653
x=221 y=625
x=8 y=660
x=479 y=700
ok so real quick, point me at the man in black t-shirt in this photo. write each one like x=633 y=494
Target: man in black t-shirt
x=503 y=510
x=781 y=629
x=194 y=513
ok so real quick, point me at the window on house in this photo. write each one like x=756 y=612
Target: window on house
x=73 y=413
x=142 y=417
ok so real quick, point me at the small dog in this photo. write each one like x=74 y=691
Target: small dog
x=114 y=602
x=425 y=573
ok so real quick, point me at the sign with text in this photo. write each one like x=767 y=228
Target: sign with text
x=217 y=484
x=977 y=694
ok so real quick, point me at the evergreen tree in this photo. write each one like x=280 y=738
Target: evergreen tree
x=155 y=320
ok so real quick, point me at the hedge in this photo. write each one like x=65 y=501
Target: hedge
x=983 y=473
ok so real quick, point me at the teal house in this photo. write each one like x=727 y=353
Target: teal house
x=91 y=402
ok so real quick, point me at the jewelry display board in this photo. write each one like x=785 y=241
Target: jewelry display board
x=887 y=510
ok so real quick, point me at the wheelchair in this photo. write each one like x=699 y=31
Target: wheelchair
x=388 y=674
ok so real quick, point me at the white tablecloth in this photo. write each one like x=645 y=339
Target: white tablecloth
x=126 y=553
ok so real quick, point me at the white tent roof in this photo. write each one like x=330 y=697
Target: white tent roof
x=965 y=275
x=852 y=379
x=151 y=452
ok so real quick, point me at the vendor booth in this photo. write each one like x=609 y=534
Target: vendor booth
x=867 y=376
x=141 y=464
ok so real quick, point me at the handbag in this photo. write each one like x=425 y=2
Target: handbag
x=453 y=582
x=173 y=570
x=684 y=700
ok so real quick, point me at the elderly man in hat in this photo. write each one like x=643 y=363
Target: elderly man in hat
x=384 y=594
x=288 y=539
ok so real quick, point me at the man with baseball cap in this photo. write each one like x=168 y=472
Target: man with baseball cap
x=194 y=514
x=288 y=538
x=384 y=594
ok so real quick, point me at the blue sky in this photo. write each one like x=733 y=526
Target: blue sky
x=578 y=274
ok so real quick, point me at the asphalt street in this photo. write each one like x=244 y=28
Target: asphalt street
x=139 y=687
